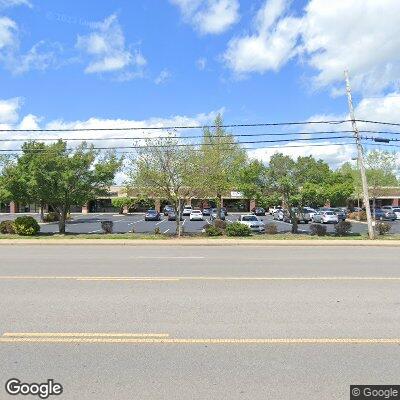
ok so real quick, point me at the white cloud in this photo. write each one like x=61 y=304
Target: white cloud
x=331 y=36
x=41 y=56
x=163 y=77
x=108 y=52
x=9 y=110
x=201 y=63
x=13 y=3
x=270 y=46
x=209 y=16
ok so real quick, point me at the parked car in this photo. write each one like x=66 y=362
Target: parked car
x=259 y=211
x=214 y=213
x=325 y=217
x=167 y=209
x=302 y=216
x=310 y=212
x=278 y=215
x=384 y=215
x=342 y=215
x=196 y=215
x=172 y=216
x=251 y=220
x=397 y=212
x=272 y=210
x=207 y=211
x=152 y=215
x=224 y=209
x=387 y=208
x=186 y=210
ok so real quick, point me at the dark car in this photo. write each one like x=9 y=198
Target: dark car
x=172 y=216
x=386 y=215
x=259 y=211
x=167 y=209
x=340 y=213
x=152 y=215
x=224 y=210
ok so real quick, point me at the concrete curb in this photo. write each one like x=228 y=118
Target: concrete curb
x=201 y=242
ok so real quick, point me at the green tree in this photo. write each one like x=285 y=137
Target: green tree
x=219 y=163
x=53 y=175
x=165 y=170
x=252 y=180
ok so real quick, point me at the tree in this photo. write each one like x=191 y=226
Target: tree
x=220 y=161
x=165 y=170
x=381 y=167
x=282 y=178
x=54 y=175
x=251 y=180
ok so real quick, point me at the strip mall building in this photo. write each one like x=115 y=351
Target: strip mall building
x=233 y=201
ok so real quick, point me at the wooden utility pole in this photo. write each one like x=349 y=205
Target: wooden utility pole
x=360 y=152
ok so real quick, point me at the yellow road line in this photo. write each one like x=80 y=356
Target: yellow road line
x=203 y=278
x=83 y=335
x=244 y=341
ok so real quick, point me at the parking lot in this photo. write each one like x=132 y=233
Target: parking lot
x=91 y=224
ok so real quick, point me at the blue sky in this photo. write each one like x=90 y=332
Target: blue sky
x=142 y=61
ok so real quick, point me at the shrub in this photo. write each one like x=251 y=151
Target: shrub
x=271 y=229
x=51 y=217
x=26 y=226
x=238 y=229
x=343 y=228
x=383 y=228
x=316 y=229
x=218 y=223
x=211 y=230
x=358 y=216
x=107 y=226
x=157 y=231
x=7 y=227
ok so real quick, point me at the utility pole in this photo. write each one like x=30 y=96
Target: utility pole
x=360 y=152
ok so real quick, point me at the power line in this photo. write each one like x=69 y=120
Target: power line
x=178 y=137
x=196 y=144
x=338 y=122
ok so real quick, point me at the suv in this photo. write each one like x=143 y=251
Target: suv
x=187 y=210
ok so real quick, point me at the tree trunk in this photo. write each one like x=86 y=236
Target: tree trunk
x=61 y=223
x=219 y=203
x=41 y=211
x=293 y=218
x=178 y=219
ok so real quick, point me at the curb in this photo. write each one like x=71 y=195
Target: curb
x=214 y=243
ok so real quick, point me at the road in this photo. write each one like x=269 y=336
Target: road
x=122 y=322
x=91 y=223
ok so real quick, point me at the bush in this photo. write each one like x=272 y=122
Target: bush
x=51 y=217
x=343 y=228
x=107 y=226
x=26 y=226
x=316 y=229
x=383 y=228
x=358 y=216
x=218 y=223
x=238 y=229
x=211 y=230
x=271 y=229
x=7 y=227
x=157 y=231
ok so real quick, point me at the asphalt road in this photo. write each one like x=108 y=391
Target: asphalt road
x=91 y=223
x=122 y=322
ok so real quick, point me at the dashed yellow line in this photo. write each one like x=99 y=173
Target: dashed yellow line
x=244 y=341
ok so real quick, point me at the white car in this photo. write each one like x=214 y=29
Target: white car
x=310 y=211
x=278 y=215
x=397 y=212
x=273 y=210
x=254 y=223
x=186 y=210
x=325 y=217
x=196 y=215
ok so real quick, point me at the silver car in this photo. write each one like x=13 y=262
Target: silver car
x=254 y=223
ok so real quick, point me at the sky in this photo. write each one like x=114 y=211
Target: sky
x=179 y=62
